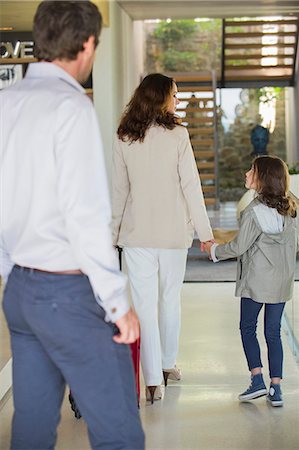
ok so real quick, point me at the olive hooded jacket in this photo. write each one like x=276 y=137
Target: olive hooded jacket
x=266 y=260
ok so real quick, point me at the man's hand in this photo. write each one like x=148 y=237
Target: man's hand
x=128 y=326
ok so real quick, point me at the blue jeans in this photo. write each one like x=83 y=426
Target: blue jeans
x=58 y=336
x=272 y=322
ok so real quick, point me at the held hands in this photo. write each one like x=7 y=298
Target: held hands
x=206 y=246
x=128 y=326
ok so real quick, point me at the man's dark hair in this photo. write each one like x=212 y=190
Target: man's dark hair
x=60 y=28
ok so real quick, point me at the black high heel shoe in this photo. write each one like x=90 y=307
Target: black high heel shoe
x=173 y=374
x=165 y=376
x=153 y=393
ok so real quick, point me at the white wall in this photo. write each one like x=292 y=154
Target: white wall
x=292 y=124
x=102 y=92
x=116 y=74
x=292 y=118
x=295 y=120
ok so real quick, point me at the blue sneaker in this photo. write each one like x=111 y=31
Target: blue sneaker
x=275 y=396
x=256 y=389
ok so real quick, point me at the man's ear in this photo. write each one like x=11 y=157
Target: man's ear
x=89 y=45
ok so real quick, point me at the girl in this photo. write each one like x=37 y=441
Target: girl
x=266 y=247
x=157 y=202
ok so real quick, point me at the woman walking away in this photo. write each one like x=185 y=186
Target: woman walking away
x=266 y=248
x=157 y=202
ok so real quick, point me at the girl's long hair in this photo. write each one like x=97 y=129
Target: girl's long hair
x=147 y=107
x=273 y=182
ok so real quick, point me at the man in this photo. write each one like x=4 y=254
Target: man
x=65 y=299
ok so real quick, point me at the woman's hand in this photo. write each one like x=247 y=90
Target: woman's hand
x=206 y=246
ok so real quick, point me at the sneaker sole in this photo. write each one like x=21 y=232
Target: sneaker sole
x=275 y=403
x=254 y=395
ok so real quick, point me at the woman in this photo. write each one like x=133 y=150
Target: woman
x=157 y=202
x=266 y=247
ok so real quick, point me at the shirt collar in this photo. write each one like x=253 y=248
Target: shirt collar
x=50 y=70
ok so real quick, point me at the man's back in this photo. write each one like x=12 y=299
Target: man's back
x=39 y=114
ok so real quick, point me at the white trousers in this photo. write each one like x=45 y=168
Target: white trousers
x=156 y=277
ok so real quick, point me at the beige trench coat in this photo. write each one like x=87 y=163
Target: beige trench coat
x=157 y=199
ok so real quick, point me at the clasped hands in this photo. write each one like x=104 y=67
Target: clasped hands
x=206 y=246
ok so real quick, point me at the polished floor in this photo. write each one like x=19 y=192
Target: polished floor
x=202 y=411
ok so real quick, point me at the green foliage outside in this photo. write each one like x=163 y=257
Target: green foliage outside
x=174 y=31
x=183 y=46
x=294 y=170
x=177 y=61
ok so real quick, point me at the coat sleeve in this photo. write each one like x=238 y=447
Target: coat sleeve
x=120 y=189
x=192 y=190
x=248 y=234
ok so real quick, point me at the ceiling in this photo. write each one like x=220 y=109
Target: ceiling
x=175 y=9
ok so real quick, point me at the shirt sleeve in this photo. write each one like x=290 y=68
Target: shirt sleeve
x=192 y=190
x=84 y=200
x=120 y=189
x=213 y=255
x=6 y=263
x=248 y=234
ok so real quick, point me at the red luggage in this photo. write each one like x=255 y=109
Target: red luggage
x=135 y=348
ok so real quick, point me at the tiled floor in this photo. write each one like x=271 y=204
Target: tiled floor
x=202 y=411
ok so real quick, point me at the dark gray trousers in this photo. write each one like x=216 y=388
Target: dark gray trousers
x=58 y=336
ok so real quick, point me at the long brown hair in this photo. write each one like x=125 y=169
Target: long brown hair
x=273 y=181
x=147 y=107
